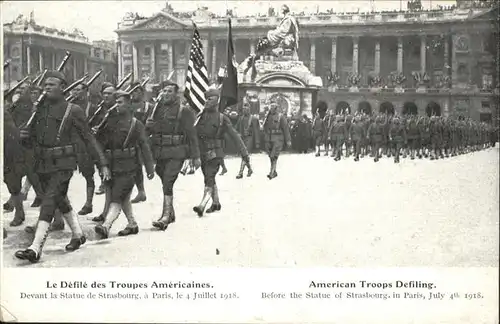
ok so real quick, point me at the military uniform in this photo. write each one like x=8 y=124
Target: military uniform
x=436 y=133
x=357 y=136
x=338 y=133
x=348 y=143
x=413 y=136
x=397 y=136
x=447 y=138
x=276 y=134
x=56 y=124
x=123 y=139
x=173 y=140
x=425 y=136
x=249 y=129
x=376 y=133
x=211 y=127
x=329 y=120
x=318 y=133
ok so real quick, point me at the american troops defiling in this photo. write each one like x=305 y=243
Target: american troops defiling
x=251 y=134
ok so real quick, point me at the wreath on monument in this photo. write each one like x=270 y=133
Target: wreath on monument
x=332 y=78
x=354 y=79
x=398 y=78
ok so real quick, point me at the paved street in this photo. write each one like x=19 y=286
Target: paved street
x=316 y=213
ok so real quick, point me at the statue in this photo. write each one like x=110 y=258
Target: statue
x=285 y=37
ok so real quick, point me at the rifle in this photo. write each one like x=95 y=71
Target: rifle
x=39 y=79
x=75 y=84
x=88 y=84
x=157 y=99
x=14 y=88
x=101 y=104
x=98 y=128
x=42 y=97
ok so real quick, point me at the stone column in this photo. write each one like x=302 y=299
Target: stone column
x=377 y=56
x=40 y=59
x=446 y=70
x=120 y=61
x=171 y=66
x=28 y=59
x=135 y=58
x=252 y=46
x=355 y=54
x=214 y=58
x=312 y=61
x=423 y=53
x=334 y=55
x=153 y=63
x=400 y=54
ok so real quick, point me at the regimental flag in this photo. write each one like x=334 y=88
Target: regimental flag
x=229 y=90
x=197 y=74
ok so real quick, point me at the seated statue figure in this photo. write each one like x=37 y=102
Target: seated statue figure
x=284 y=38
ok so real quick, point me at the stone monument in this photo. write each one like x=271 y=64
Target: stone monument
x=274 y=71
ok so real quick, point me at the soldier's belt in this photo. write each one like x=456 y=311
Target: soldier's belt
x=55 y=152
x=167 y=140
x=121 y=153
x=274 y=132
x=211 y=144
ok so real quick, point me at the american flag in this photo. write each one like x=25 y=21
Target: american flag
x=197 y=74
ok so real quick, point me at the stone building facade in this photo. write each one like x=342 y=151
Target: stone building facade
x=31 y=48
x=421 y=62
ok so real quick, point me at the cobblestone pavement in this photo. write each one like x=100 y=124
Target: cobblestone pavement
x=316 y=213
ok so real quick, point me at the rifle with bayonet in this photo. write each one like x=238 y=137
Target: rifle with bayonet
x=101 y=104
x=39 y=79
x=42 y=97
x=88 y=84
x=11 y=91
x=98 y=128
x=157 y=101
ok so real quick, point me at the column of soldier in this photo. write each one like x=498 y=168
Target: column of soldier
x=52 y=129
x=391 y=135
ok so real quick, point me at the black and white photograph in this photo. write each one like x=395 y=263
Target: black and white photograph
x=250 y=134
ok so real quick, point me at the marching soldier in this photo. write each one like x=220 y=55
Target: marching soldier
x=56 y=123
x=397 y=136
x=123 y=138
x=318 y=127
x=140 y=108
x=173 y=140
x=249 y=129
x=338 y=134
x=436 y=132
x=348 y=145
x=276 y=133
x=425 y=136
x=413 y=136
x=211 y=127
x=357 y=135
x=85 y=161
x=108 y=92
x=329 y=120
x=375 y=135
x=447 y=137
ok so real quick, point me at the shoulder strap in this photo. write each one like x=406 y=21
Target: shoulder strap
x=249 y=126
x=221 y=122
x=177 y=120
x=130 y=131
x=64 y=121
x=146 y=107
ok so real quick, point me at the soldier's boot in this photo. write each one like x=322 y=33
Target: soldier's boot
x=396 y=156
x=224 y=169
x=102 y=216
x=318 y=150
x=356 y=156
x=412 y=154
x=441 y=155
x=216 y=206
x=242 y=168
x=200 y=209
x=274 y=166
x=87 y=207
x=34 y=251
x=77 y=237
x=25 y=189
x=326 y=150
x=337 y=157
x=347 y=150
x=270 y=167
x=184 y=168
x=250 y=170
x=167 y=214
x=37 y=202
x=141 y=192
x=334 y=150
x=101 y=189
x=132 y=228
x=111 y=216
x=19 y=215
x=57 y=222
x=376 y=153
x=8 y=206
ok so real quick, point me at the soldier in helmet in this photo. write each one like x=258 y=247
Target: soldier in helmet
x=329 y=120
x=339 y=134
x=318 y=126
x=413 y=136
x=397 y=136
x=348 y=144
x=375 y=134
x=436 y=132
x=276 y=134
x=249 y=129
x=357 y=135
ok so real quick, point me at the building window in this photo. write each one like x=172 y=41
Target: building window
x=147 y=51
x=485 y=105
x=97 y=53
x=164 y=49
x=485 y=117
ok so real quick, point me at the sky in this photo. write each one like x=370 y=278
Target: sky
x=99 y=19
